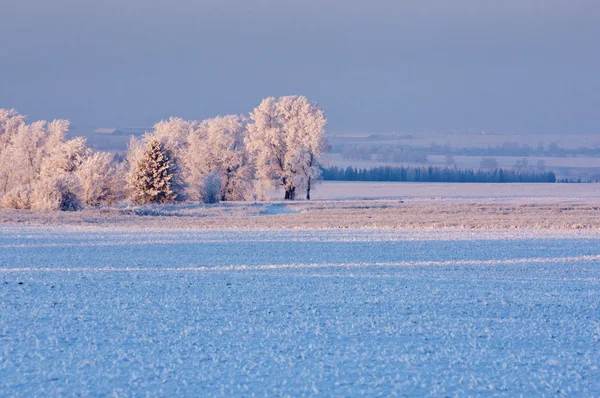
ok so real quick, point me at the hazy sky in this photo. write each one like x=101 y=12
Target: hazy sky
x=376 y=65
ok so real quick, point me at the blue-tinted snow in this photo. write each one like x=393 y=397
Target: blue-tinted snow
x=101 y=313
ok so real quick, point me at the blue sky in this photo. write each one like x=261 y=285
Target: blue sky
x=523 y=66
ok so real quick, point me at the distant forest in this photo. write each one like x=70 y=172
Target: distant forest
x=403 y=152
x=435 y=174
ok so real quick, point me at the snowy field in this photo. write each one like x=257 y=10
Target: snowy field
x=513 y=192
x=354 y=205
x=238 y=313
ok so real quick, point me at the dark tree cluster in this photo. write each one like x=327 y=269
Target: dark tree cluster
x=435 y=174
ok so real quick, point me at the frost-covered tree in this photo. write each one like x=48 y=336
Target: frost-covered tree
x=64 y=157
x=10 y=122
x=37 y=164
x=286 y=139
x=58 y=192
x=223 y=158
x=210 y=190
x=217 y=147
x=173 y=136
x=17 y=198
x=154 y=175
x=101 y=178
x=311 y=172
x=24 y=148
x=21 y=152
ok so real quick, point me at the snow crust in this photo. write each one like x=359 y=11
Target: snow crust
x=289 y=313
x=508 y=192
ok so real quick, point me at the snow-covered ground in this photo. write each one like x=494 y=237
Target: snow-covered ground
x=328 y=313
x=513 y=192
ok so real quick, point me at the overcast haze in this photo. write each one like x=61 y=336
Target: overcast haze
x=510 y=65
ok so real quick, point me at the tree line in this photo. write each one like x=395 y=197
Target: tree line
x=418 y=154
x=511 y=148
x=434 y=174
x=234 y=157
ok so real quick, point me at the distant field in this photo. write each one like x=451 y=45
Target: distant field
x=336 y=159
x=510 y=161
x=466 y=139
x=104 y=142
x=469 y=162
x=464 y=191
x=372 y=206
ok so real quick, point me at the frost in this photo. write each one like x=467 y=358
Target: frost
x=210 y=188
x=38 y=164
x=18 y=198
x=286 y=139
x=155 y=175
x=56 y=193
x=217 y=147
x=93 y=311
x=102 y=180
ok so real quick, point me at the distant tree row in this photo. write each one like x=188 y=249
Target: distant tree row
x=225 y=158
x=397 y=153
x=510 y=148
x=522 y=165
x=414 y=154
x=434 y=174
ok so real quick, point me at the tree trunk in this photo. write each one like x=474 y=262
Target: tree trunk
x=226 y=185
x=308 y=189
x=290 y=193
x=5 y=184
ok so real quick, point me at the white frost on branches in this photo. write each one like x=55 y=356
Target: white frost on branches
x=102 y=179
x=153 y=176
x=225 y=158
x=58 y=192
x=37 y=164
x=216 y=151
x=172 y=135
x=286 y=140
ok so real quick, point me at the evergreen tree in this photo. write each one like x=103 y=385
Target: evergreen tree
x=154 y=176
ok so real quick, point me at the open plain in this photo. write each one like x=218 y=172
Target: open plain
x=222 y=313
x=357 y=205
x=433 y=292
